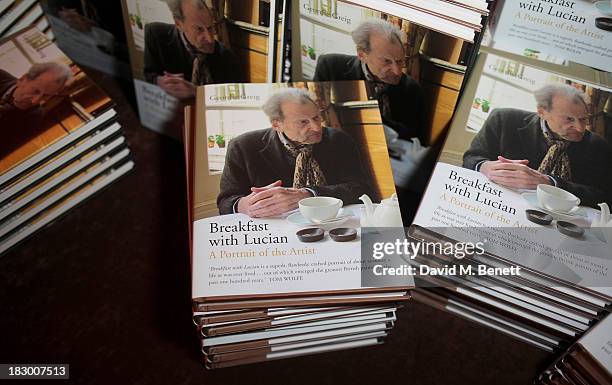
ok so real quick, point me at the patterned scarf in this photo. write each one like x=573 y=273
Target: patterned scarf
x=556 y=162
x=307 y=170
x=200 y=73
x=380 y=89
x=383 y=99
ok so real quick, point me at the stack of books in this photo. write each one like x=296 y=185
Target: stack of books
x=286 y=284
x=16 y=15
x=534 y=308
x=248 y=335
x=587 y=362
x=539 y=271
x=60 y=143
x=461 y=19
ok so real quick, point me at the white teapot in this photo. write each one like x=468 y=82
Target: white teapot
x=386 y=214
x=602 y=226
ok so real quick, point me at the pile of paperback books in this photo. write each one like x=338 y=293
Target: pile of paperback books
x=542 y=270
x=60 y=140
x=542 y=274
x=284 y=284
x=587 y=362
x=16 y=15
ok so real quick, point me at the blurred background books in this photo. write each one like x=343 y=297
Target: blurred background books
x=57 y=154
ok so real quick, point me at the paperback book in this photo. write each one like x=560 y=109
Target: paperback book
x=175 y=47
x=588 y=361
x=343 y=41
x=578 y=31
x=278 y=261
x=61 y=142
x=90 y=34
x=525 y=140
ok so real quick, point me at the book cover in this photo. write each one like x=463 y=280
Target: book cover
x=522 y=131
x=47 y=102
x=577 y=31
x=90 y=33
x=261 y=152
x=597 y=346
x=452 y=18
x=176 y=46
x=412 y=70
x=588 y=361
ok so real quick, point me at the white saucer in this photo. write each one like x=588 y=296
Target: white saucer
x=532 y=199
x=604 y=7
x=298 y=219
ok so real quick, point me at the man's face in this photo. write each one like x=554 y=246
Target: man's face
x=566 y=118
x=198 y=25
x=385 y=59
x=33 y=92
x=301 y=123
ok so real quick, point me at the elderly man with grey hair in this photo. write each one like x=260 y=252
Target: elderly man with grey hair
x=180 y=56
x=521 y=149
x=267 y=172
x=380 y=60
x=34 y=88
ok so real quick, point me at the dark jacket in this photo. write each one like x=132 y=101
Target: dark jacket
x=6 y=81
x=258 y=158
x=165 y=51
x=517 y=134
x=406 y=109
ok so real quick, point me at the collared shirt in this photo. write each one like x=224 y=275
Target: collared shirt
x=283 y=138
x=366 y=71
x=544 y=126
x=190 y=48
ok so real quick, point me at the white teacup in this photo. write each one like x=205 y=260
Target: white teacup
x=319 y=209
x=556 y=199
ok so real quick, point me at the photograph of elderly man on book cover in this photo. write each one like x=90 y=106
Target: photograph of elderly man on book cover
x=287 y=172
x=43 y=96
x=177 y=45
x=412 y=71
x=268 y=171
x=274 y=145
x=526 y=167
x=529 y=127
